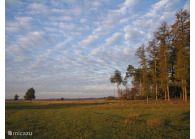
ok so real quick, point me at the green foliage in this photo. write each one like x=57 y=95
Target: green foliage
x=16 y=97
x=141 y=54
x=61 y=98
x=152 y=50
x=181 y=37
x=30 y=94
x=162 y=37
x=130 y=71
x=117 y=78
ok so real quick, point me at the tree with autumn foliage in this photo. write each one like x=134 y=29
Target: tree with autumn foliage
x=181 y=41
x=141 y=54
x=152 y=50
x=162 y=37
x=165 y=62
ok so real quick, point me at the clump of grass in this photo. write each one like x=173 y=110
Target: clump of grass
x=129 y=121
x=155 y=122
x=133 y=116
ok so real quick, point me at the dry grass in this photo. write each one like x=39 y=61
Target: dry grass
x=129 y=121
x=65 y=101
x=133 y=116
x=155 y=122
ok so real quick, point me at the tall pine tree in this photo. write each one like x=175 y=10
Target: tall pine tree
x=141 y=54
x=163 y=39
x=181 y=39
x=152 y=49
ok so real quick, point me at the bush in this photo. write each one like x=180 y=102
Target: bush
x=110 y=98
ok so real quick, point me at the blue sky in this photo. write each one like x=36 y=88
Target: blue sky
x=70 y=48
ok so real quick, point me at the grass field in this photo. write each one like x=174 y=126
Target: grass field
x=100 y=119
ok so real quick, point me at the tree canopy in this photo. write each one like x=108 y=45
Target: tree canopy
x=16 y=97
x=30 y=94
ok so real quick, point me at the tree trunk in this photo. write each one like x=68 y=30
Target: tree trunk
x=186 y=98
x=183 y=93
x=165 y=95
x=156 y=81
x=156 y=92
x=118 y=90
x=134 y=89
x=147 y=98
x=168 y=93
x=140 y=86
x=114 y=91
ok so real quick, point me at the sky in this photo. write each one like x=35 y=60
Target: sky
x=70 y=48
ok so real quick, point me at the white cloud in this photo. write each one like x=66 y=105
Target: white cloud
x=127 y=4
x=38 y=8
x=91 y=40
x=36 y=40
x=20 y=23
x=132 y=34
x=124 y=20
x=159 y=12
x=115 y=39
x=62 y=18
x=83 y=20
x=55 y=10
x=109 y=22
x=67 y=26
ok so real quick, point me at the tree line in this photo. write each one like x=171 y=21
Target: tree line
x=164 y=64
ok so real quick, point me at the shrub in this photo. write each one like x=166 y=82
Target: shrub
x=155 y=122
x=110 y=98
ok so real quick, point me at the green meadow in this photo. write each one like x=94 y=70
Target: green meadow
x=98 y=119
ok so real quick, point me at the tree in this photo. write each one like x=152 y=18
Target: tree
x=117 y=78
x=138 y=79
x=112 y=81
x=141 y=54
x=163 y=40
x=136 y=75
x=30 y=94
x=181 y=41
x=152 y=49
x=61 y=98
x=16 y=97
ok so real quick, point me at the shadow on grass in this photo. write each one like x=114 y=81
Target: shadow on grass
x=101 y=113
x=186 y=116
x=185 y=120
x=50 y=106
